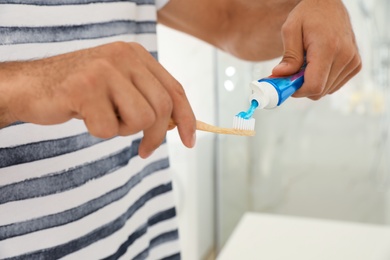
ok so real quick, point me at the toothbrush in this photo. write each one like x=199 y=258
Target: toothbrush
x=215 y=129
x=268 y=93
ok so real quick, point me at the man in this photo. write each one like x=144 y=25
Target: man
x=84 y=109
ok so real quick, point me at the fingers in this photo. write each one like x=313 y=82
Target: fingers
x=133 y=111
x=91 y=101
x=293 y=56
x=161 y=103
x=331 y=52
x=340 y=67
x=322 y=79
x=353 y=68
x=163 y=94
x=116 y=88
x=181 y=112
x=124 y=90
x=100 y=119
x=317 y=70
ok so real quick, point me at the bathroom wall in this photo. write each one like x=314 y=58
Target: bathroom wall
x=191 y=62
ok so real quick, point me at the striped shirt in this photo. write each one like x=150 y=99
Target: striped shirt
x=64 y=193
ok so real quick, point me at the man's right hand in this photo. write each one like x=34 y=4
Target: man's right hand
x=117 y=89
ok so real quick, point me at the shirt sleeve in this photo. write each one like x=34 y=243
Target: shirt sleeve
x=160 y=3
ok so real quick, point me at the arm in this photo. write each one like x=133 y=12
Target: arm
x=265 y=29
x=117 y=89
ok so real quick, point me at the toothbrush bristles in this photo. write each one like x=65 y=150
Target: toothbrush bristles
x=243 y=124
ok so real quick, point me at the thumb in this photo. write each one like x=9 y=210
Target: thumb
x=293 y=56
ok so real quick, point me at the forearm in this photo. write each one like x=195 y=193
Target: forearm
x=250 y=30
x=19 y=81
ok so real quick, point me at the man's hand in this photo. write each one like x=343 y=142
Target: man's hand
x=258 y=30
x=117 y=89
x=321 y=29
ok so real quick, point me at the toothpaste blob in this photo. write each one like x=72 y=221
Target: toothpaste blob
x=272 y=91
x=248 y=114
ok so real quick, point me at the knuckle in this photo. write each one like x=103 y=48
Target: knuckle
x=88 y=80
x=148 y=119
x=178 y=89
x=144 y=119
x=333 y=45
x=117 y=49
x=120 y=45
x=136 y=46
x=359 y=64
x=138 y=72
x=84 y=86
x=287 y=29
x=106 y=132
x=317 y=89
x=96 y=73
x=315 y=98
x=122 y=50
x=101 y=129
x=79 y=90
x=88 y=83
x=125 y=130
x=165 y=105
x=101 y=66
x=359 y=68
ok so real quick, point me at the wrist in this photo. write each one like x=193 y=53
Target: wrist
x=6 y=83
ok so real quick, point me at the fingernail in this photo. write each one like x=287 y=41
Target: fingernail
x=281 y=65
x=193 y=140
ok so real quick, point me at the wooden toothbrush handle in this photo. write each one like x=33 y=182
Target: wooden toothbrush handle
x=220 y=130
x=215 y=129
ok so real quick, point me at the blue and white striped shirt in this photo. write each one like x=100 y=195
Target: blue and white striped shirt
x=64 y=193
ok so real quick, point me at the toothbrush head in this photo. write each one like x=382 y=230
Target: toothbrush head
x=244 y=119
x=240 y=123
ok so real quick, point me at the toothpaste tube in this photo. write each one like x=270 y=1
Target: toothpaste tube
x=272 y=91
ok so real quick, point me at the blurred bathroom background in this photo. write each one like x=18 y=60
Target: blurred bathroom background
x=326 y=159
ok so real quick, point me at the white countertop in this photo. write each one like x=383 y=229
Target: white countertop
x=274 y=237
